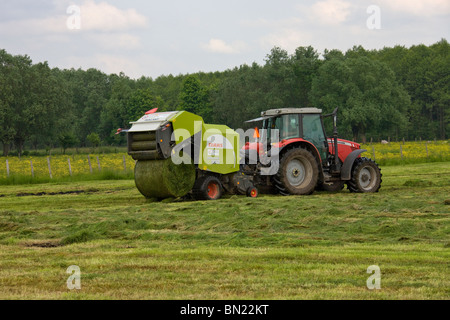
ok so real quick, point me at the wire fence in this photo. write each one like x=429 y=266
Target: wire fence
x=62 y=166
x=408 y=151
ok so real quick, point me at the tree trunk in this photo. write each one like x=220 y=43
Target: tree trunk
x=5 y=149
x=19 y=145
x=355 y=133
x=363 y=136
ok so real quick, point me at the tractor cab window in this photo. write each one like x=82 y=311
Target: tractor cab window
x=313 y=132
x=287 y=125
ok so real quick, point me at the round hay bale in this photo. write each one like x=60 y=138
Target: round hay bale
x=163 y=179
x=143 y=145
x=144 y=136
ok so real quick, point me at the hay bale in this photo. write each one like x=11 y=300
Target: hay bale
x=144 y=136
x=163 y=179
x=143 y=145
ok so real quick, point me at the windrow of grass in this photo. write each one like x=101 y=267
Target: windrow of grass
x=272 y=247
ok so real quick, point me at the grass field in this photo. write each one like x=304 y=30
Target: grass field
x=273 y=247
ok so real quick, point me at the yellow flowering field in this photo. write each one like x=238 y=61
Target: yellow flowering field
x=412 y=152
x=384 y=154
x=60 y=165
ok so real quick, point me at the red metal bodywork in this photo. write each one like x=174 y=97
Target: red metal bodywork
x=345 y=147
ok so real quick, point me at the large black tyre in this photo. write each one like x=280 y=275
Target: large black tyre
x=366 y=176
x=207 y=188
x=298 y=173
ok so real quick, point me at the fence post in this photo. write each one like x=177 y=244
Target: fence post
x=32 y=168
x=70 y=167
x=90 y=165
x=49 y=168
x=426 y=147
x=7 y=168
x=98 y=162
x=124 y=164
x=373 y=151
x=401 y=151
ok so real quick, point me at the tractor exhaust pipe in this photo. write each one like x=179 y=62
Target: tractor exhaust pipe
x=337 y=162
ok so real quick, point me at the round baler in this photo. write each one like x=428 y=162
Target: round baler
x=177 y=154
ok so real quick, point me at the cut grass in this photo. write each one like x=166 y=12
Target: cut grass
x=105 y=174
x=273 y=247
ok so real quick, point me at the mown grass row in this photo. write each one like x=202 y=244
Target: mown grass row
x=106 y=174
x=272 y=247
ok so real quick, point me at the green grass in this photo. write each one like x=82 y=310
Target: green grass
x=105 y=174
x=273 y=247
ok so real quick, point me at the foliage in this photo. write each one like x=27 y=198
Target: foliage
x=67 y=140
x=94 y=139
x=393 y=92
x=367 y=93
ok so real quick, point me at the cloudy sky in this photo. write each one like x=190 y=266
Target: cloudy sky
x=152 y=38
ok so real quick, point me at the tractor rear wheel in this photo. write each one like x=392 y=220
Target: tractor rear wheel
x=366 y=176
x=207 y=188
x=298 y=173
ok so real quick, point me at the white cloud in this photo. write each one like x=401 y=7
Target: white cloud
x=425 y=8
x=331 y=12
x=100 y=17
x=220 y=46
x=105 y=17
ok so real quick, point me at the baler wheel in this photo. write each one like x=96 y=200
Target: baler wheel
x=252 y=192
x=207 y=188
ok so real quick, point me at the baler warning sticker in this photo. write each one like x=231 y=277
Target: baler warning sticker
x=213 y=153
x=214 y=156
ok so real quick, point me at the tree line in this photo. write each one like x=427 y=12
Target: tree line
x=393 y=92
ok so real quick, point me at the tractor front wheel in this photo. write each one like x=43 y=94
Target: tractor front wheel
x=366 y=176
x=298 y=173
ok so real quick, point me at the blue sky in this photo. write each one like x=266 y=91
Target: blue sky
x=152 y=38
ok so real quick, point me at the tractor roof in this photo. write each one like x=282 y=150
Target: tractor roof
x=276 y=112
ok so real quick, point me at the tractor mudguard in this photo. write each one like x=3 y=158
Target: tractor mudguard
x=346 y=172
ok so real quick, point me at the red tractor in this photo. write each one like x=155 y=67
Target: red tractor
x=295 y=157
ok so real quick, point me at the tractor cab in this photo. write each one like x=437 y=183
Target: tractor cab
x=305 y=124
x=295 y=140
